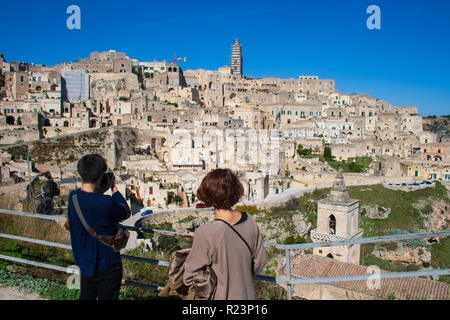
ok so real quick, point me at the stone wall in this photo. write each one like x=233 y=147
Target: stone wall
x=12 y=134
x=315 y=178
x=175 y=215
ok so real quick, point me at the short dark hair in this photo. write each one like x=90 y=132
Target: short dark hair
x=220 y=189
x=91 y=167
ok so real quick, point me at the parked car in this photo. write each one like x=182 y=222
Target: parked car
x=146 y=212
x=200 y=205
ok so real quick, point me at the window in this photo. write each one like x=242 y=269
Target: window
x=332 y=224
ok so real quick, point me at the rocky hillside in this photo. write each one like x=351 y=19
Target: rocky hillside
x=70 y=148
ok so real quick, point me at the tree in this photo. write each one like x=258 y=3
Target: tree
x=327 y=154
x=303 y=152
x=177 y=199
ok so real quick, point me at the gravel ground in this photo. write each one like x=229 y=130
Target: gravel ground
x=12 y=293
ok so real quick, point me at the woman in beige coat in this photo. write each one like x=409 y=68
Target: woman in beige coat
x=234 y=255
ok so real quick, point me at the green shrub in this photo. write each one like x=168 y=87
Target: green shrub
x=428 y=209
x=412 y=267
x=294 y=240
x=187 y=219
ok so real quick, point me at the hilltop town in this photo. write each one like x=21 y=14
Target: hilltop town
x=162 y=128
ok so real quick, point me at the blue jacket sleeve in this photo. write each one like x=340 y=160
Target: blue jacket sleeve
x=119 y=208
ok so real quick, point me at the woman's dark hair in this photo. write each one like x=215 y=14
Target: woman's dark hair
x=91 y=167
x=220 y=189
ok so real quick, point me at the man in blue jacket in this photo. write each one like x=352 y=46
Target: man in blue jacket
x=100 y=266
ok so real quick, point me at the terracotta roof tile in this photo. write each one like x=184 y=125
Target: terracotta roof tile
x=313 y=266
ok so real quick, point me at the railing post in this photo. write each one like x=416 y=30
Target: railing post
x=288 y=266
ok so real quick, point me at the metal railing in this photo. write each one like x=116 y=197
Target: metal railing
x=288 y=280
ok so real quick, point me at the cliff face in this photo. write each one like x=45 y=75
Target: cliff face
x=12 y=197
x=436 y=213
x=114 y=144
x=405 y=254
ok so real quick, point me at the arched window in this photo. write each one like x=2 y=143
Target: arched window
x=332 y=224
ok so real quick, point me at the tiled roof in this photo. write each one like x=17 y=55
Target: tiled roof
x=313 y=266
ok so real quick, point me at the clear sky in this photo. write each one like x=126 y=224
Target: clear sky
x=406 y=62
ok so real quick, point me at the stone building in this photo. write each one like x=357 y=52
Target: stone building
x=16 y=85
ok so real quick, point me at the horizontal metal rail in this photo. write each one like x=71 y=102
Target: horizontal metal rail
x=37 y=264
x=164 y=232
x=146 y=260
x=301 y=246
x=141 y=284
x=390 y=275
x=36 y=241
x=397 y=237
x=34 y=215
x=63 y=219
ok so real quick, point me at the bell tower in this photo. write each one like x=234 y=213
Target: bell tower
x=236 y=57
x=337 y=219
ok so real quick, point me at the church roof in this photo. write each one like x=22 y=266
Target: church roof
x=313 y=266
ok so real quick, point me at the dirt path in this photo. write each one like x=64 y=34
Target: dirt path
x=12 y=293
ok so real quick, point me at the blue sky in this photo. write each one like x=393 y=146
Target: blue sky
x=406 y=62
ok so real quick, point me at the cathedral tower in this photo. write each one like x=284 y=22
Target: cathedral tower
x=236 y=58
